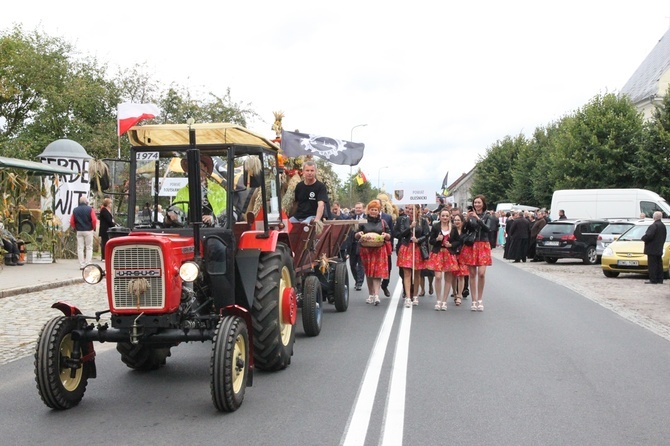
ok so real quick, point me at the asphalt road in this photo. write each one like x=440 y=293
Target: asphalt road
x=541 y=365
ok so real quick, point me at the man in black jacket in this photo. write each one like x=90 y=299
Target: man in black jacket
x=654 y=239
x=355 y=262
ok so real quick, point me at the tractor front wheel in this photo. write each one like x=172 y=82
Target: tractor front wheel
x=60 y=382
x=229 y=363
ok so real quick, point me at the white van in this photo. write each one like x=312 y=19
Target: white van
x=607 y=203
x=506 y=207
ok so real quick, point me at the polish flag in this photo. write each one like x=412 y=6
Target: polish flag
x=129 y=114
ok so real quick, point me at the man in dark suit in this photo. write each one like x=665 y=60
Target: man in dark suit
x=493 y=233
x=389 y=229
x=654 y=239
x=519 y=234
x=354 y=254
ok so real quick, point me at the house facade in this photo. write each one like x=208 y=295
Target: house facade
x=649 y=83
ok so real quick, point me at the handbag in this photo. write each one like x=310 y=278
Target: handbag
x=425 y=253
x=468 y=238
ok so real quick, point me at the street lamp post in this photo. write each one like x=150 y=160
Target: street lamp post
x=379 y=173
x=351 y=180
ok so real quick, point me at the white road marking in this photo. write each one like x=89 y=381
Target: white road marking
x=359 y=419
x=393 y=425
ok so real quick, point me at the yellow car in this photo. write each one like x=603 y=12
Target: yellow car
x=626 y=253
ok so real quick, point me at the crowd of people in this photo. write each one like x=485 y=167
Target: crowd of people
x=518 y=233
x=430 y=245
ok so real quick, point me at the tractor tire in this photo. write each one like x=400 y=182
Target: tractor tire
x=341 y=292
x=273 y=337
x=591 y=256
x=142 y=357
x=312 y=303
x=26 y=227
x=59 y=386
x=229 y=364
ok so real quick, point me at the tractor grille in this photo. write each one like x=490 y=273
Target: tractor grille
x=138 y=272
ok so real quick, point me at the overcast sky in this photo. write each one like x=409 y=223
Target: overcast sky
x=437 y=83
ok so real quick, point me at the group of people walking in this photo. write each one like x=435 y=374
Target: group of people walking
x=453 y=248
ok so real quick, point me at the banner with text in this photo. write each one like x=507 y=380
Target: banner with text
x=70 y=188
x=413 y=193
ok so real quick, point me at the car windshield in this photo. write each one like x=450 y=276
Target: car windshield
x=557 y=228
x=636 y=232
x=617 y=228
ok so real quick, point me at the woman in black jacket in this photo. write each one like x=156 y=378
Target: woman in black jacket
x=477 y=256
x=411 y=232
x=444 y=242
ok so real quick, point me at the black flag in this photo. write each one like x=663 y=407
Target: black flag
x=336 y=151
x=445 y=184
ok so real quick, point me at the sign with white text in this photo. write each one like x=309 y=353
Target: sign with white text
x=170 y=186
x=413 y=193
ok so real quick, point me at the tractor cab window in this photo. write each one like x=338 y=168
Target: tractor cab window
x=162 y=194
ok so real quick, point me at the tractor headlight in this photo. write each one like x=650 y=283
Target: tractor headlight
x=189 y=271
x=92 y=274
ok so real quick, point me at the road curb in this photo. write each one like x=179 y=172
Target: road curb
x=41 y=287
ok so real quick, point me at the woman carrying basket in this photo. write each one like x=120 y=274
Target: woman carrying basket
x=372 y=237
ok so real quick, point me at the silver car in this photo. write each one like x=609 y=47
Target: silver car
x=610 y=233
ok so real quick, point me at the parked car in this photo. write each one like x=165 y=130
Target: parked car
x=608 y=235
x=626 y=253
x=573 y=239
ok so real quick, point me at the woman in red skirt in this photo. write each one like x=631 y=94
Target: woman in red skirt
x=411 y=232
x=374 y=260
x=463 y=271
x=444 y=240
x=477 y=256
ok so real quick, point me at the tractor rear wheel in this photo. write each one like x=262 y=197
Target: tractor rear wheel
x=59 y=384
x=142 y=357
x=273 y=335
x=341 y=292
x=229 y=363
x=312 y=306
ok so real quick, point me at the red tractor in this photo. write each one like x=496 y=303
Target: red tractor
x=217 y=266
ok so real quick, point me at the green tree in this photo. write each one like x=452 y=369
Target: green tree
x=652 y=168
x=493 y=176
x=47 y=93
x=597 y=146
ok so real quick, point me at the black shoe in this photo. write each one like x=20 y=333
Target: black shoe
x=466 y=293
x=357 y=287
x=386 y=291
x=516 y=261
x=652 y=283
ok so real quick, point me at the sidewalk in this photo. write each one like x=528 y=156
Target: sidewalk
x=32 y=277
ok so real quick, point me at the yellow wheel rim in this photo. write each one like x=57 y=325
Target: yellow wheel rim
x=69 y=383
x=239 y=363
x=286 y=329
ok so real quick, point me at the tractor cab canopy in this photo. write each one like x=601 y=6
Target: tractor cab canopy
x=178 y=173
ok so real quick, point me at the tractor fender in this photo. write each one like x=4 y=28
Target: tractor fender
x=67 y=309
x=259 y=240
